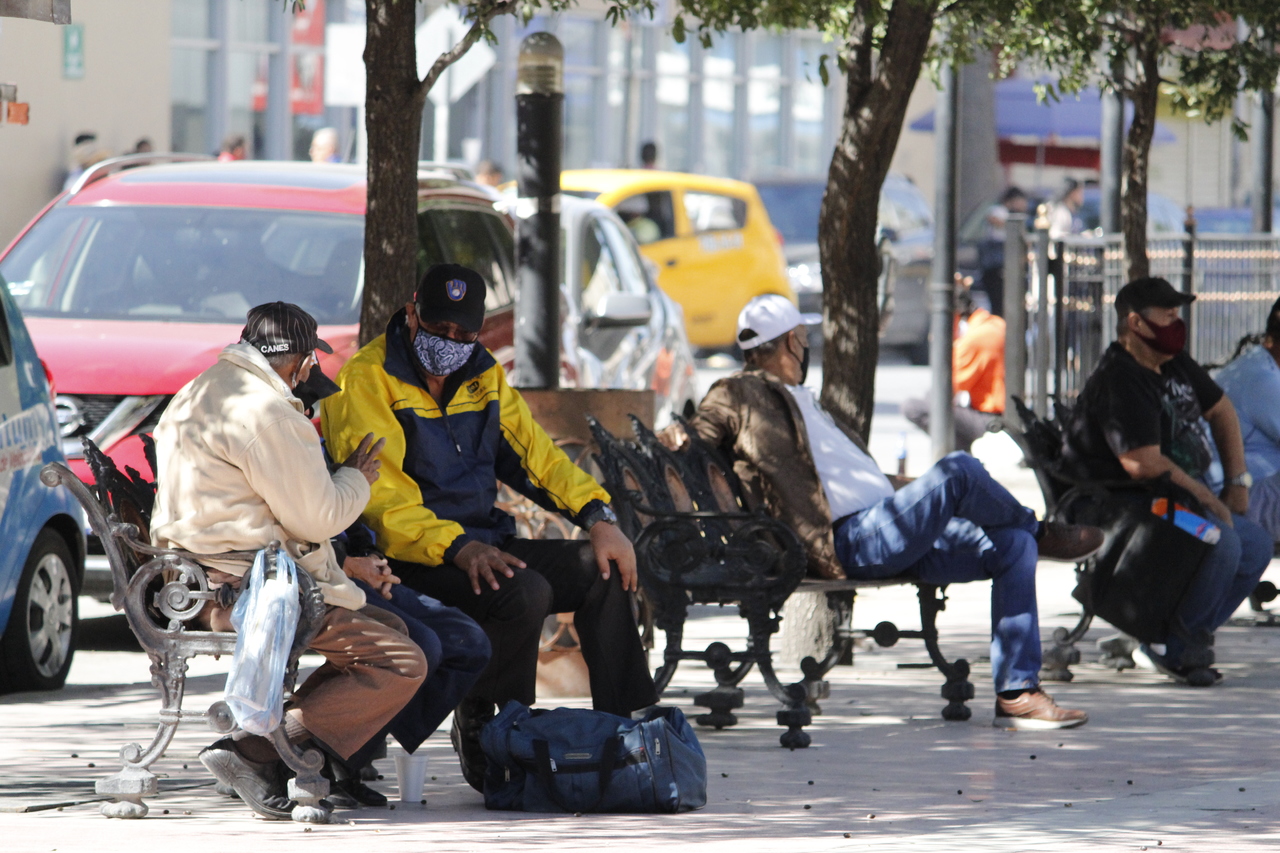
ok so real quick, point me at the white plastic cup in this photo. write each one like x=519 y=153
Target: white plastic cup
x=411 y=776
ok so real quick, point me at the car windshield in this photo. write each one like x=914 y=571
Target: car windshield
x=793 y=209
x=188 y=264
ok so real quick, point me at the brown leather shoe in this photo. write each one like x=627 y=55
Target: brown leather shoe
x=1035 y=710
x=1068 y=542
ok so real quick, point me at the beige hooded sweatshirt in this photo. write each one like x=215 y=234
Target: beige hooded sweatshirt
x=240 y=465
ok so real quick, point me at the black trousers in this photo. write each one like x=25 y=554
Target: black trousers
x=970 y=424
x=561 y=577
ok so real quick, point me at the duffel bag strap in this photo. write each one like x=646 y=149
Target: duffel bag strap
x=546 y=772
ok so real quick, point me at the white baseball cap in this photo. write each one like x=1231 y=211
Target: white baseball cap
x=765 y=318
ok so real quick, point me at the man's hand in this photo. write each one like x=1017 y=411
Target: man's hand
x=479 y=560
x=1236 y=498
x=373 y=570
x=673 y=437
x=610 y=543
x=1217 y=508
x=365 y=457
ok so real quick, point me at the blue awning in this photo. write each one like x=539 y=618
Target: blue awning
x=1075 y=117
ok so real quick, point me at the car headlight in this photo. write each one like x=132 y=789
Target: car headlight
x=805 y=278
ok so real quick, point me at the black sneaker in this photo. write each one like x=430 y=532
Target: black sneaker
x=1192 y=676
x=468 y=719
x=262 y=786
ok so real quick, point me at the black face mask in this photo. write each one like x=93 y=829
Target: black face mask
x=804 y=365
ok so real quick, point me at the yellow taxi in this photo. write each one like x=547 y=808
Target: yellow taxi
x=710 y=237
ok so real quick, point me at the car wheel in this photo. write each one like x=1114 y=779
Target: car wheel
x=39 y=642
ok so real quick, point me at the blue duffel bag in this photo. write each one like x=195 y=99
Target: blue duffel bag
x=575 y=760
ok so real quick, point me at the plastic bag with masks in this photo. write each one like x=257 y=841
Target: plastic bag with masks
x=265 y=618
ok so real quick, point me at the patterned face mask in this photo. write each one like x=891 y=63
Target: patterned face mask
x=440 y=356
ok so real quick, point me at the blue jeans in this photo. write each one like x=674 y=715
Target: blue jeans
x=456 y=649
x=953 y=525
x=1225 y=579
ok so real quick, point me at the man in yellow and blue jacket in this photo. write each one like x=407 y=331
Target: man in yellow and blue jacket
x=454 y=428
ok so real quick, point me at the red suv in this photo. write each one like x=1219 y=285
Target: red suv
x=135 y=279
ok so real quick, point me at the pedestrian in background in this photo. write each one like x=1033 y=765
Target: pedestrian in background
x=233 y=148
x=324 y=146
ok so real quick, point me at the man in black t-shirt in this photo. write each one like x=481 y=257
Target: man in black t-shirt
x=1150 y=409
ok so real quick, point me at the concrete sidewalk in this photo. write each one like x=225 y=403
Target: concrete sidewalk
x=1158 y=765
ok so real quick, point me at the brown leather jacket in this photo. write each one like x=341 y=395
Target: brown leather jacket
x=752 y=417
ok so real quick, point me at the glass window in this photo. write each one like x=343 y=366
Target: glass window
x=711 y=212
x=630 y=267
x=473 y=239
x=794 y=208
x=578 y=35
x=650 y=216
x=599 y=275
x=719 y=64
x=189 y=100
x=188 y=264
x=616 y=100
x=910 y=208
x=247 y=98
x=191 y=18
x=250 y=19
x=579 y=120
x=808 y=102
x=672 y=96
x=764 y=104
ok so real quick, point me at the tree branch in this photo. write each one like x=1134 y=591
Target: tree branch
x=456 y=52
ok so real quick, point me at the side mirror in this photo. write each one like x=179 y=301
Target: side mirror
x=623 y=309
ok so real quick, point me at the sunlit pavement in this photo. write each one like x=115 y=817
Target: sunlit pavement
x=1158 y=766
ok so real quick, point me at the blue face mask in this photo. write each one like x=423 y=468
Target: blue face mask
x=440 y=356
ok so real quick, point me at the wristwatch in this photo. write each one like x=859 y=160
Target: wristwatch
x=602 y=512
x=1245 y=479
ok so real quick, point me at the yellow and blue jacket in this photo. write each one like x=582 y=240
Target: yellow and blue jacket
x=441 y=468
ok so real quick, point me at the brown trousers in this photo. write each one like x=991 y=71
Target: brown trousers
x=371 y=671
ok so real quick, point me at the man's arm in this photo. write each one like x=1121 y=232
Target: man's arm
x=406 y=529
x=716 y=421
x=285 y=466
x=1148 y=463
x=1225 y=425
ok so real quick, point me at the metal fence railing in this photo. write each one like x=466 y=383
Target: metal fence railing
x=1072 y=317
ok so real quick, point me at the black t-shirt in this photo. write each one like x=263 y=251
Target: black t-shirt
x=1125 y=406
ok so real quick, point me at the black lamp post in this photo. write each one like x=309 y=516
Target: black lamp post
x=539 y=124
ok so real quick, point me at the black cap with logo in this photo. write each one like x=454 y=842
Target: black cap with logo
x=282 y=327
x=1150 y=293
x=451 y=293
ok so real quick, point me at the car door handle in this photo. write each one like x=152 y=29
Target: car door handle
x=671 y=262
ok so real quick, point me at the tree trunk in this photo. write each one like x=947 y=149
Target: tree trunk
x=1137 y=153
x=876 y=105
x=393 y=121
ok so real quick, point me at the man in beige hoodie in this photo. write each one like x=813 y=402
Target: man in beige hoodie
x=240 y=466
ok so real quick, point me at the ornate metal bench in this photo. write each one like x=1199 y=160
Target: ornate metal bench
x=698 y=543
x=161 y=592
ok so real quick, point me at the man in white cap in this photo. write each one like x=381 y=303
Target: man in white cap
x=952 y=525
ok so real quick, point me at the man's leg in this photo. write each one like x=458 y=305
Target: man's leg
x=1006 y=556
x=372 y=669
x=1256 y=549
x=610 y=640
x=971 y=425
x=462 y=653
x=511 y=617
x=890 y=537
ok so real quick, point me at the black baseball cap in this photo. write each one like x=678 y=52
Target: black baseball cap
x=451 y=293
x=1150 y=293
x=282 y=327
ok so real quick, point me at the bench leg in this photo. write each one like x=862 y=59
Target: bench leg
x=135 y=780
x=671 y=620
x=1056 y=659
x=726 y=696
x=308 y=787
x=816 y=687
x=957 y=689
x=795 y=713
